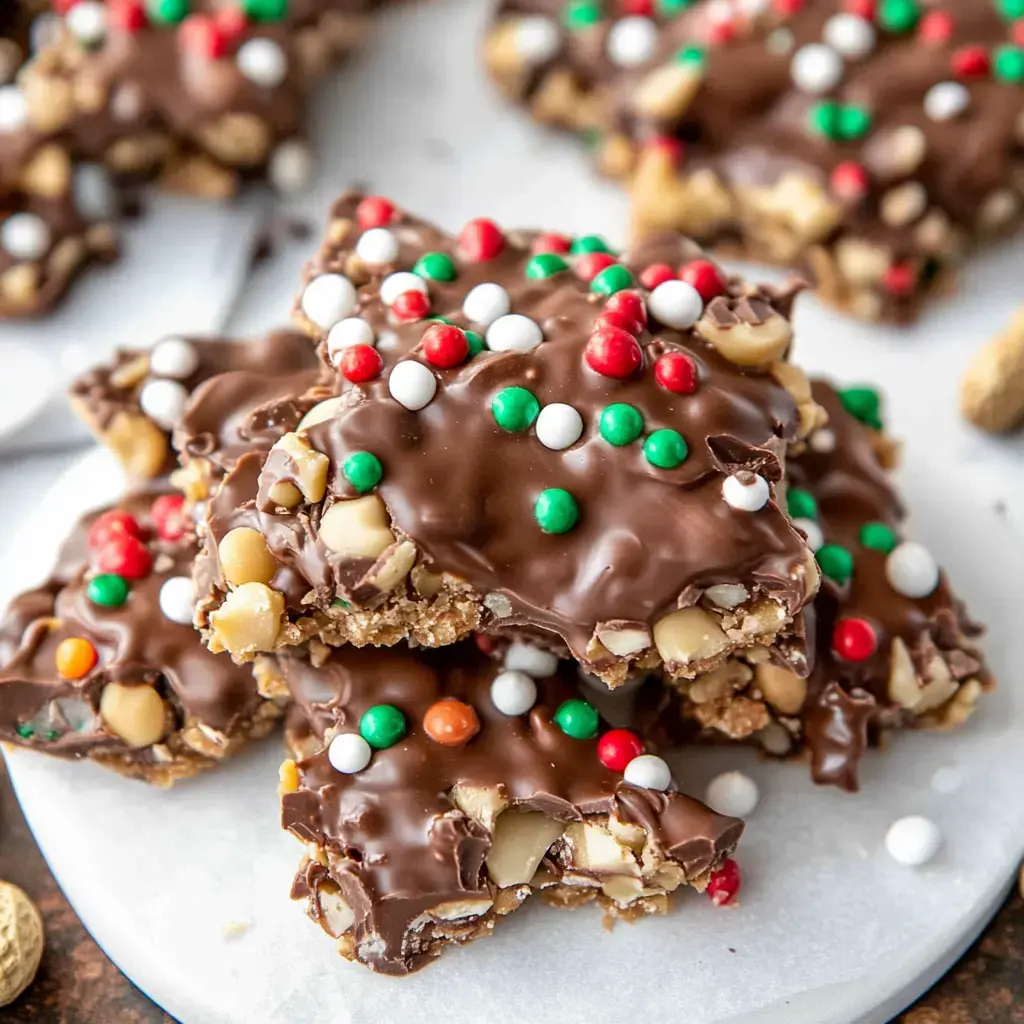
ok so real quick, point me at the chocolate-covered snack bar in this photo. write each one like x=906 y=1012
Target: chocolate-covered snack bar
x=102 y=662
x=133 y=403
x=577 y=445
x=869 y=143
x=435 y=792
x=894 y=646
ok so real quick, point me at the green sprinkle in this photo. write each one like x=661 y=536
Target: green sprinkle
x=514 y=409
x=863 y=404
x=668 y=8
x=544 y=265
x=340 y=603
x=265 y=10
x=363 y=471
x=25 y=731
x=854 y=122
x=878 y=537
x=435 y=266
x=621 y=424
x=476 y=343
x=823 y=119
x=52 y=735
x=107 y=590
x=1008 y=64
x=588 y=243
x=1011 y=10
x=577 y=718
x=556 y=510
x=898 y=15
x=167 y=12
x=665 y=449
x=440 y=320
x=690 y=55
x=611 y=280
x=579 y=14
x=801 y=504
x=382 y=726
x=836 y=562
x=838 y=122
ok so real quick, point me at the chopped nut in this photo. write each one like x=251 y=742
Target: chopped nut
x=48 y=173
x=749 y=344
x=240 y=140
x=21 y=942
x=248 y=621
x=357 y=528
x=134 y=713
x=992 y=392
x=622 y=637
x=939 y=686
x=904 y=688
x=336 y=915
x=288 y=776
x=688 y=635
x=896 y=154
x=320 y=412
x=667 y=92
x=903 y=204
x=137 y=443
x=245 y=557
x=19 y=283
x=456 y=910
x=784 y=690
x=999 y=210
x=861 y=262
x=481 y=803
x=426 y=583
x=395 y=567
x=727 y=595
x=310 y=467
x=518 y=844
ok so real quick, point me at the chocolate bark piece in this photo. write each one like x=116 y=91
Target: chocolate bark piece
x=895 y=647
x=430 y=842
x=647 y=537
x=104 y=665
x=133 y=403
x=871 y=152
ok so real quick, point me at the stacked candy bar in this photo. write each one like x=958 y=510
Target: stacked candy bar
x=869 y=141
x=578 y=447
x=435 y=792
x=894 y=646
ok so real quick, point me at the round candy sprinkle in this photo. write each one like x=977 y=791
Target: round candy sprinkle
x=25 y=236
x=362 y=470
x=475 y=343
x=353 y=330
x=107 y=590
x=970 y=62
x=328 y=299
x=849 y=181
x=618 y=319
x=550 y=241
x=611 y=280
x=621 y=424
x=898 y=15
x=445 y=346
x=801 y=504
x=450 y=722
x=810 y=529
x=398 y=284
x=631 y=41
x=705 y=277
x=109 y=525
x=559 y=426
x=613 y=352
x=486 y=303
x=290 y=168
x=125 y=556
x=411 y=384
x=676 y=372
x=514 y=332
x=532 y=660
x=854 y=639
x=946 y=100
x=913 y=840
x=862 y=404
x=377 y=246
x=655 y=274
x=648 y=771
x=163 y=401
x=617 y=747
x=263 y=62
x=630 y=306
x=665 y=449
x=589 y=264
x=410 y=306
x=732 y=793
x=1008 y=63
x=899 y=279
x=374 y=212
x=676 y=304
x=435 y=266
x=816 y=69
x=481 y=240
x=13 y=108
x=177 y=600
x=87 y=21
x=75 y=658
x=588 y=243
x=173 y=357
x=745 y=491
x=878 y=537
x=911 y=570
x=556 y=510
x=577 y=718
x=725 y=883
x=514 y=409
x=265 y=10
x=536 y=39
x=513 y=693
x=835 y=562
x=349 y=753
x=382 y=726
x=545 y=265
x=936 y=27
x=579 y=14
x=359 y=363
x=854 y=37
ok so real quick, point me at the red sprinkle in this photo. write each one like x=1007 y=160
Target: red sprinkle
x=849 y=181
x=657 y=273
x=374 y=212
x=644 y=8
x=127 y=15
x=484 y=643
x=411 y=305
x=617 y=747
x=110 y=525
x=614 y=318
x=359 y=363
x=788 y=7
x=613 y=352
x=231 y=21
x=854 y=639
x=677 y=372
x=589 y=264
x=704 y=276
x=445 y=346
x=201 y=35
x=899 y=279
x=481 y=240
x=170 y=517
x=63 y=6
x=721 y=32
x=673 y=149
x=630 y=304
x=970 y=62
x=549 y=241
x=724 y=884
x=125 y=556
x=862 y=8
x=1017 y=32
x=936 y=27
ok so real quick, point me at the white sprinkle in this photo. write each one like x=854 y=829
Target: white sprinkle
x=913 y=841
x=649 y=772
x=163 y=401
x=87 y=21
x=815 y=538
x=328 y=299
x=411 y=384
x=532 y=660
x=816 y=68
x=376 y=246
x=13 y=109
x=946 y=100
x=513 y=693
x=177 y=597
x=290 y=168
x=822 y=441
x=911 y=570
x=349 y=753
x=746 y=492
x=732 y=793
x=536 y=39
x=854 y=37
x=263 y=62
x=631 y=41
x=25 y=236
x=353 y=330
x=514 y=333
x=173 y=357
x=398 y=284
x=675 y=304
x=485 y=303
x=94 y=192
x=558 y=426
x=779 y=42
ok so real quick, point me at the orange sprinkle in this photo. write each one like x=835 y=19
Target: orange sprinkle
x=451 y=723
x=75 y=657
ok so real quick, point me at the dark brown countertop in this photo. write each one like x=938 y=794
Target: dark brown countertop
x=77 y=984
